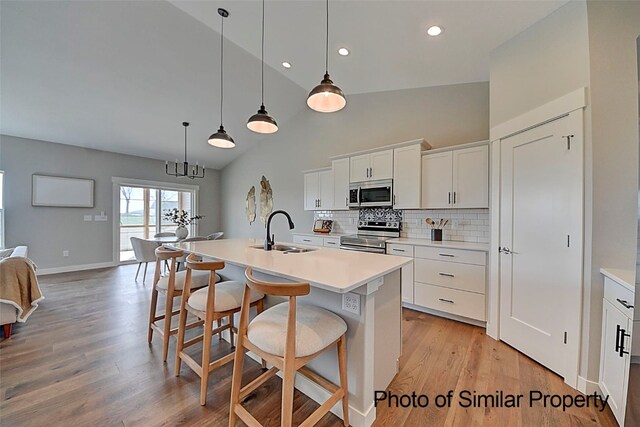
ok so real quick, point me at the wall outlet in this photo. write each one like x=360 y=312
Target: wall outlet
x=65 y=253
x=88 y=218
x=351 y=303
x=101 y=217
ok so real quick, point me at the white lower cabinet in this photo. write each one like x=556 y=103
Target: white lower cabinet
x=447 y=280
x=615 y=359
x=309 y=240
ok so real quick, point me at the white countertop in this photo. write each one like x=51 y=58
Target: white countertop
x=626 y=278
x=327 y=268
x=470 y=246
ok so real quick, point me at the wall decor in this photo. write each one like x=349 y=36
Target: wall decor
x=61 y=192
x=380 y=214
x=322 y=226
x=250 y=205
x=266 y=200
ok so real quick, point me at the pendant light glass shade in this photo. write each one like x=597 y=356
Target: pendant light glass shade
x=221 y=139
x=326 y=97
x=262 y=122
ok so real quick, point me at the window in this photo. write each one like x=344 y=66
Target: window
x=142 y=212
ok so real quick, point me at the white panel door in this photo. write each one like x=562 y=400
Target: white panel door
x=381 y=165
x=406 y=177
x=437 y=172
x=359 y=168
x=311 y=191
x=325 y=190
x=541 y=245
x=340 y=169
x=471 y=177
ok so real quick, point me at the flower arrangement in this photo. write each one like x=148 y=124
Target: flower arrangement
x=181 y=217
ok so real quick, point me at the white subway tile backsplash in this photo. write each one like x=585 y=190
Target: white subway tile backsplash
x=475 y=223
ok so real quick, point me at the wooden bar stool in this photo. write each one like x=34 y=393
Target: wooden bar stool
x=288 y=339
x=171 y=286
x=213 y=303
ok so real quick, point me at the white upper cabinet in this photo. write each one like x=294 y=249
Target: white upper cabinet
x=359 y=168
x=437 y=172
x=340 y=169
x=318 y=190
x=367 y=167
x=406 y=177
x=471 y=177
x=456 y=178
x=381 y=165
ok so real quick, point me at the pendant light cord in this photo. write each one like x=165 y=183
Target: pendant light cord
x=262 y=90
x=326 y=51
x=221 y=66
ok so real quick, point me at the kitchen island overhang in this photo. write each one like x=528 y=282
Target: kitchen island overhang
x=373 y=336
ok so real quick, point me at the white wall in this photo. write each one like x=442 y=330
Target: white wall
x=443 y=115
x=48 y=231
x=594 y=45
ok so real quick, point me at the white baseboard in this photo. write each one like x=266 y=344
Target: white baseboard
x=70 y=268
x=319 y=395
x=445 y=315
x=588 y=387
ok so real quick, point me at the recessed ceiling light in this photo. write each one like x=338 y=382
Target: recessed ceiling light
x=286 y=64
x=434 y=31
x=343 y=51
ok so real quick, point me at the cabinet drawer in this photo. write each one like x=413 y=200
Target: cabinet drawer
x=452 y=301
x=332 y=242
x=308 y=240
x=466 y=277
x=453 y=255
x=616 y=294
x=400 y=250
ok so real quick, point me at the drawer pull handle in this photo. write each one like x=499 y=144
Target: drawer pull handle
x=306 y=240
x=449 y=255
x=624 y=303
x=331 y=243
x=446 y=300
x=399 y=250
x=446 y=274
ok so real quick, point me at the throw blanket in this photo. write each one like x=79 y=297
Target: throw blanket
x=19 y=285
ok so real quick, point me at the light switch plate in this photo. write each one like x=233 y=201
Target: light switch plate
x=100 y=218
x=351 y=303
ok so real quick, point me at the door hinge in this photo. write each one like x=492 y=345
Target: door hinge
x=565 y=337
x=568 y=240
x=568 y=141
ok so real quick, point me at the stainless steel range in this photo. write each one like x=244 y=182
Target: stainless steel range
x=371 y=237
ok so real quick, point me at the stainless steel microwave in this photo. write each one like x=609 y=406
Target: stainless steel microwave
x=371 y=194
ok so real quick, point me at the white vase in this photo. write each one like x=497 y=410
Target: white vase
x=182 y=232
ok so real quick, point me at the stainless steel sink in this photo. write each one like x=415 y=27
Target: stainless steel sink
x=286 y=249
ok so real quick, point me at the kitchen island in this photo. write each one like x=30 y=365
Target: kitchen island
x=373 y=332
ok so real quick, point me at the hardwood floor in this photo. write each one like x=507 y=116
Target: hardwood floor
x=83 y=359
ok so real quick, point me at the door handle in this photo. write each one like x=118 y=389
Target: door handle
x=446 y=274
x=624 y=303
x=620 y=334
x=346 y=201
x=394 y=199
x=454 y=197
x=506 y=251
x=449 y=197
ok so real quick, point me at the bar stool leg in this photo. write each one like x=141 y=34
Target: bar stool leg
x=287 y=393
x=152 y=312
x=206 y=354
x=231 y=338
x=342 y=367
x=168 y=308
x=182 y=325
x=219 y=326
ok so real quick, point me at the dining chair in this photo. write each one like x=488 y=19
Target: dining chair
x=144 y=251
x=181 y=260
x=288 y=336
x=217 y=301
x=215 y=236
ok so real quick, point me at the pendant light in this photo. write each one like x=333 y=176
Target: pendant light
x=326 y=97
x=262 y=122
x=221 y=138
x=183 y=170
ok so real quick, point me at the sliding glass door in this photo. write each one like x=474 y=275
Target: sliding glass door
x=142 y=210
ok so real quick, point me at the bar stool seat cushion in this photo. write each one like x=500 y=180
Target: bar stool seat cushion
x=228 y=296
x=316 y=329
x=198 y=280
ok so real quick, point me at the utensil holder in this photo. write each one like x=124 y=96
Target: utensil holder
x=436 y=235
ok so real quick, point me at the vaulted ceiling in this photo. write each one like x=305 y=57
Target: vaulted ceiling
x=122 y=76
